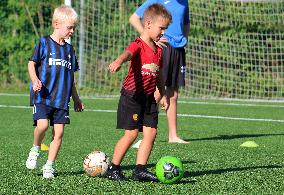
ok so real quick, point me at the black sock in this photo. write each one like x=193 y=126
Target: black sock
x=140 y=167
x=114 y=167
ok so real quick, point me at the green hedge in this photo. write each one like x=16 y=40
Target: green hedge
x=235 y=50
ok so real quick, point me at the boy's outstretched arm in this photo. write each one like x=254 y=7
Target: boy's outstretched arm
x=116 y=64
x=35 y=80
x=78 y=105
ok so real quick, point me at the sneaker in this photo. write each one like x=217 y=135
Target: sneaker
x=143 y=175
x=48 y=171
x=115 y=174
x=31 y=162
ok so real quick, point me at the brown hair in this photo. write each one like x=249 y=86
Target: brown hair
x=155 y=10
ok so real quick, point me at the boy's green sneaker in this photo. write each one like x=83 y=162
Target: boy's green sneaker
x=31 y=162
x=48 y=171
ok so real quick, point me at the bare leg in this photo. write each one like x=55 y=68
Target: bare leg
x=39 y=131
x=42 y=126
x=145 y=148
x=172 y=94
x=58 y=131
x=123 y=145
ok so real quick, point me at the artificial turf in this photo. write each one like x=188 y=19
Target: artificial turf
x=214 y=161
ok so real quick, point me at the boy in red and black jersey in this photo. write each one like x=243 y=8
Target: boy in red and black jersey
x=144 y=68
x=137 y=108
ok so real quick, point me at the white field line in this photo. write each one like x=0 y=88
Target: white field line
x=280 y=105
x=180 y=115
x=234 y=104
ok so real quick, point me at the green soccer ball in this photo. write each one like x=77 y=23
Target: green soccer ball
x=169 y=170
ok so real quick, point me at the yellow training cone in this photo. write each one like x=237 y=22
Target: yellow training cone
x=249 y=144
x=44 y=147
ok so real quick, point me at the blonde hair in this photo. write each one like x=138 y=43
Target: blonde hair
x=64 y=13
x=155 y=10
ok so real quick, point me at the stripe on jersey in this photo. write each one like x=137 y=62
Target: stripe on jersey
x=55 y=66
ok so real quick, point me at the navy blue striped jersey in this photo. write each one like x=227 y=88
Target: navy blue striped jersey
x=55 y=67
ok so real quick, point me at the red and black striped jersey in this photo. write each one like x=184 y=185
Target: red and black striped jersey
x=143 y=72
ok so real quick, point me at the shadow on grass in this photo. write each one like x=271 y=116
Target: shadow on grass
x=123 y=167
x=151 y=165
x=228 y=137
x=74 y=173
x=228 y=170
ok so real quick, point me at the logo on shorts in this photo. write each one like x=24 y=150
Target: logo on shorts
x=34 y=109
x=66 y=116
x=182 y=69
x=135 y=117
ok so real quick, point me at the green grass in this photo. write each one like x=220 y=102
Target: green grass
x=214 y=161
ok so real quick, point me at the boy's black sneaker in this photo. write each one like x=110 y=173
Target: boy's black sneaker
x=115 y=174
x=143 y=175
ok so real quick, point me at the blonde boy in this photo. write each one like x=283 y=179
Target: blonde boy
x=51 y=69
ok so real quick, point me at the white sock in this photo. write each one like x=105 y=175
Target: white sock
x=49 y=163
x=36 y=148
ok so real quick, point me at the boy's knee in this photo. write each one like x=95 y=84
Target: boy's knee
x=154 y=134
x=151 y=135
x=42 y=125
x=58 y=136
x=131 y=134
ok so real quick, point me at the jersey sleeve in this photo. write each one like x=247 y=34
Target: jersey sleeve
x=38 y=51
x=140 y=10
x=133 y=48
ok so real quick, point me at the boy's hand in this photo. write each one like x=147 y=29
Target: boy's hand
x=36 y=85
x=78 y=106
x=164 y=103
x=162 y=43
x=114 y=66
x=157 y=95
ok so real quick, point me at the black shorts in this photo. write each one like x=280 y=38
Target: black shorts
x=55 y=115
x=174 y=66
x=134 y=113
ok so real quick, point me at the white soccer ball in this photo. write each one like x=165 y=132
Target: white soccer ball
x=96 y=163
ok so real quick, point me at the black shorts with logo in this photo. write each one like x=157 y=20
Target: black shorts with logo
x=136 y=112
x=174 y=66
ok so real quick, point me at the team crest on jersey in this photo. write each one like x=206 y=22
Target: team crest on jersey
x=150 y=69
x=135 y=117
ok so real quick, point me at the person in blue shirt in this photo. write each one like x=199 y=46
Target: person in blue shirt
x=173 y=43
x=51 y=69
